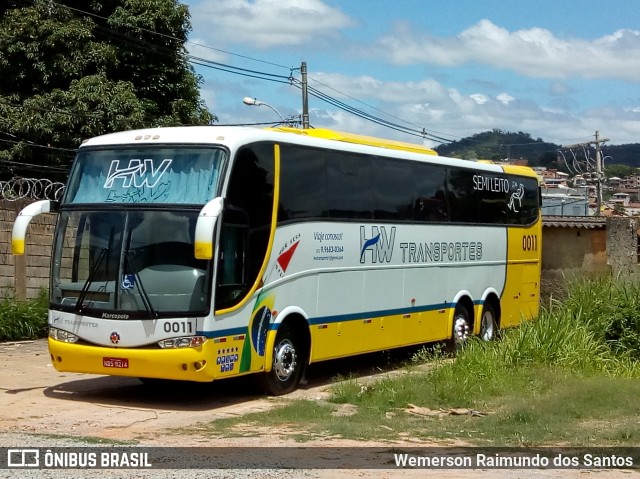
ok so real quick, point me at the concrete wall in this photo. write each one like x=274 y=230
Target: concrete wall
x=622 y=246
x=24 y=276
x=570 y=252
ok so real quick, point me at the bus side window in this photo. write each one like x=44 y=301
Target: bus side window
x=462 y=197
x=250 y=194
x=232 y=256
x=429 y=193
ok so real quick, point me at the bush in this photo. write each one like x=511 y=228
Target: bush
x=21 y=320
x=623 y=329
x=611 y=311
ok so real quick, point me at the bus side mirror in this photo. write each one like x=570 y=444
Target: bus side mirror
x=19 y=233
x=205 y=226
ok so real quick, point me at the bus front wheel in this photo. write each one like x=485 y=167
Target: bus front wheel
x=461 y=328
x=288 y=363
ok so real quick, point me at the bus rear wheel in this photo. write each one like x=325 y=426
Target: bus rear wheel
x=288 y=363
x=488 y=323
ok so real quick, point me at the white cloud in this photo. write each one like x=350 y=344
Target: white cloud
x=264 y=24
x=534 y=52
x=505 y=98
x=369 y=87
x=479 y=98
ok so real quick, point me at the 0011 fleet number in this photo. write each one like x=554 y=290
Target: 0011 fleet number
x=530 y=243
x=183 y=327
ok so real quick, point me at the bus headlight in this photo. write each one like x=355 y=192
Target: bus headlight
x=183 y=342
x=61 y=335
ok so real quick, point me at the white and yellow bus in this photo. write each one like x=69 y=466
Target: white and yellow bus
x=201 y=253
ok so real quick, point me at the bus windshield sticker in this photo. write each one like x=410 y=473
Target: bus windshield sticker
x=128 y=281
x=139 y=173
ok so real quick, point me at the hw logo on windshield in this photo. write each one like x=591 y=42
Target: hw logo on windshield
x=139 y=173
x=380 y=244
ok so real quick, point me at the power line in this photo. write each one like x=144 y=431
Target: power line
x=48 y=110
x=22 y=141
x=380 y=121
x=377 y=109
x=420 y=132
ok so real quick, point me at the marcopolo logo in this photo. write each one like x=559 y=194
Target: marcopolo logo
x=138 y=173
x=379 y=246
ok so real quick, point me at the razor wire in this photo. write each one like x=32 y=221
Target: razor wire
x=31 y=188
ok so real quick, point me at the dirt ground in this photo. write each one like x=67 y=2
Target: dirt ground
x=36 y=399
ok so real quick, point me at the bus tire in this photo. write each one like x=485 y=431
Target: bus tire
x=288 y=363
x=461 y=329
x=488 y=323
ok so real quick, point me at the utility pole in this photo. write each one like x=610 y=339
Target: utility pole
x=599 y=167
x=305 y=96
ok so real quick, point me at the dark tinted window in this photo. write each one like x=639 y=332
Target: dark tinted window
x=394 y=190
x=250 y=195
x=492 y=191
x=303 y=184
x=462 y=196
x=523 y=200
x=430 y=200
x=317 y=183
x=350 y=186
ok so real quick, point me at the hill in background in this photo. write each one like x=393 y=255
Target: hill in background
x=498 y=145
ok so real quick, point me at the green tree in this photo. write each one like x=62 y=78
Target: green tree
x=620 y=170
x=72 y=69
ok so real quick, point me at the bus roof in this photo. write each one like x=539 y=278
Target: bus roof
x=205 y=134
x=359 y=139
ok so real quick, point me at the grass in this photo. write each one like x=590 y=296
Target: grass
x=569 y=378
x=21 y=320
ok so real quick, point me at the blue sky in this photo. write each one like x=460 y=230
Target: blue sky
x=556 y=70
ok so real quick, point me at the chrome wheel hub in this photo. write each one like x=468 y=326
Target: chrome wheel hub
x=461 y=330
x=285 y=360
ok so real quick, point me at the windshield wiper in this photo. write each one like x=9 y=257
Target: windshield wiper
x=143 y=293
x=90 y=278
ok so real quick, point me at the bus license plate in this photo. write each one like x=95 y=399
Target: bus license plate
x=121 y=363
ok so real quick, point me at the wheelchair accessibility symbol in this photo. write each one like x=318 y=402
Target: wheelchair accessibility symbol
x=128 y=281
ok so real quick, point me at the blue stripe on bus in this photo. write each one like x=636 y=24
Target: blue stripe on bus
x=223 y=332
x=339 y=318
x=377 y=314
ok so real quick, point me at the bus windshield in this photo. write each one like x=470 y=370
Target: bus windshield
x=146 y=174
x=130 y=263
